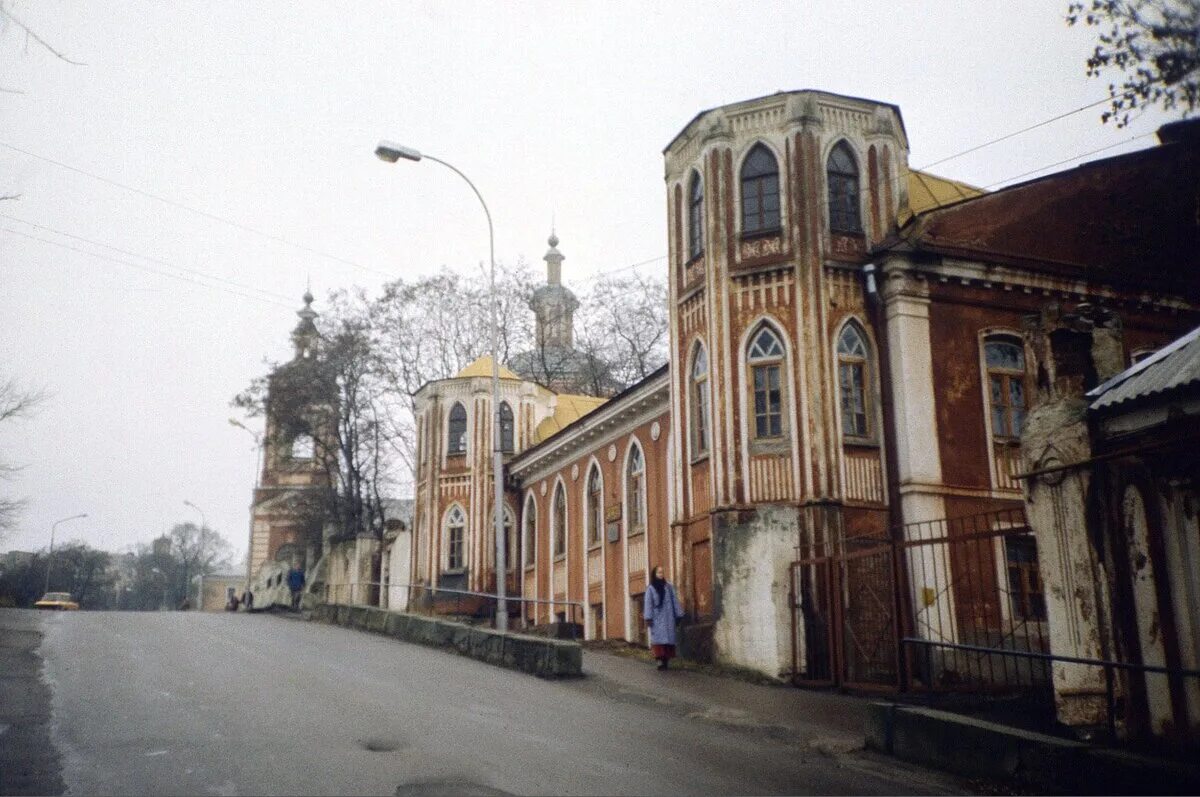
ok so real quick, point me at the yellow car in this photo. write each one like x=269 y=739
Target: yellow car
x=56 y=600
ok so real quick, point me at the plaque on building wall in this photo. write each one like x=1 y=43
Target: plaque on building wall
x=612 y=512
x=614 y=531
x=655 y=431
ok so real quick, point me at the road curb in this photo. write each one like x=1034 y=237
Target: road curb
x=980 y=749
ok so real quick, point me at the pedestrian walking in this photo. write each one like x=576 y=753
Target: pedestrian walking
x=662 y=612
x=248 y=600
x=295 y=582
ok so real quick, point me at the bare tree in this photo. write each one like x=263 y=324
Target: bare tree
x=1153 y=44
x=15 y=403
x=10 y=19
x=625 y=326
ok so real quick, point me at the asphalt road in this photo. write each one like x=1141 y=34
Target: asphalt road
x=171 y=703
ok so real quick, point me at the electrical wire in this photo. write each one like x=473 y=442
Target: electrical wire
x=150 y=258
x=197 y=211
x=148 y=269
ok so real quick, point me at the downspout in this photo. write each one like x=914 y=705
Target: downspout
x=900 y=577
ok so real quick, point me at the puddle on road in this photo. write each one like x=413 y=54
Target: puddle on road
x=378 y=745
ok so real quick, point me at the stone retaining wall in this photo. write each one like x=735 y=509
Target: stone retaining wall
x=545 y=658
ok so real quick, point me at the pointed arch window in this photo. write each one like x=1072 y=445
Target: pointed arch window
x=456 y=433
x=841 y=173
x=456 y=538
x=510 y=542
x=695 y=217
x=595 y=507
x=765 y=355
x=506 y=427
x=700 y=412
x=853 y=383
x=529 y=533
x=1004 y=359
x=635 y=490
x=558 y=522
x=760 y=191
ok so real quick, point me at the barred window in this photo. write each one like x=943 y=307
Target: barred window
x=529 y=535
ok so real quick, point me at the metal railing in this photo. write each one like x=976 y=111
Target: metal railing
x=463 y=605
x=1050 y=658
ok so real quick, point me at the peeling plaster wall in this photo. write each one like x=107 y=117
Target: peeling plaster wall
x=751 y=567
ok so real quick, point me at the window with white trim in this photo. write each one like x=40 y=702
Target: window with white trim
x=1004 y=359
x=529 y=534
x=700 y=413
x=456 y=432
x=853 y=382
x=635 y=490
x=841 y=174
x=595 y=507
x=695 y=217
x=456 y=538
x=765 y=355
x=558 y=521
x=760 y=191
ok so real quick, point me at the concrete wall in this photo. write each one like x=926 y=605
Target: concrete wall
x=751 y=565
x=545 y=658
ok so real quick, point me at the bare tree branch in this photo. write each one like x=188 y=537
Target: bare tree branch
x=33 y=35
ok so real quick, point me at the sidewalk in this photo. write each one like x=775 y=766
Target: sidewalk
x=815 y=718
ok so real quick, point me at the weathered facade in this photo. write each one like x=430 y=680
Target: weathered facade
x=1113 y=495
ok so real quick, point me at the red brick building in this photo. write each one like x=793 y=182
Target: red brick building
x=847 y=362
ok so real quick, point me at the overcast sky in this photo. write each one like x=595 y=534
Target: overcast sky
x=265 y=114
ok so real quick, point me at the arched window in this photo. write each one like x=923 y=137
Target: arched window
x=695 y=217
x=595 y=507
x=841 y=173
x=635 y=490
x=852 y=381
x=760 y=191
x=529 y=535
x=506 y=427
x=558 y=521
x=456 y=538
x=765 y=356
x=510 y=542
x=1004 y=358
x=456 y=434
x=302 y=446
x=700 y=401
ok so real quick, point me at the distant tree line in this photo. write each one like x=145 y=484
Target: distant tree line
x=151 y=576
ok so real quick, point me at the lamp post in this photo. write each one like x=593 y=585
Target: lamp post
x=187 y=572
x=203 y=521
x=50 y=555
x=391 y=152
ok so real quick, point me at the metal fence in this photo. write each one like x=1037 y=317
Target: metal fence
x=475 y=608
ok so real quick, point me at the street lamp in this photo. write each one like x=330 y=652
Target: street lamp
x=203 y=521
x=391 y=153
x=50 y=555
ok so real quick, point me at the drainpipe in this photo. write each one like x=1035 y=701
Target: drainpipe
x=900 y=577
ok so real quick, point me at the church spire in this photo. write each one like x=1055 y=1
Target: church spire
x=554 y=259
x=554 y=304
x=305 y=335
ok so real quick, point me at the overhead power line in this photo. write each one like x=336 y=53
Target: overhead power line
x=141 y=267
x=197 y=211
x=117 y=249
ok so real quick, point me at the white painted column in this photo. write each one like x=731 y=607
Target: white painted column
x=918 y=460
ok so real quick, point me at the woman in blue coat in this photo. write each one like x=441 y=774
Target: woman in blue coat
x=662 y=611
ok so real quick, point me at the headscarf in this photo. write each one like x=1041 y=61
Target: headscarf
x=659 y=584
